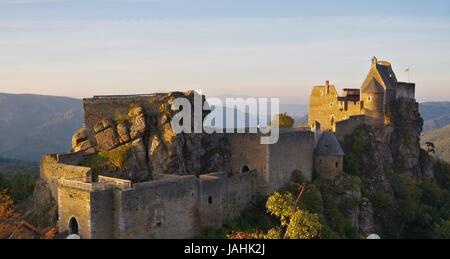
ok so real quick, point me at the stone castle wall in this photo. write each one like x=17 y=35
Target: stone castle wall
x=171 y=206
x=326 y=108
x=246 y=150
x=52 y=170
x=346 y=127
x=239 y=191
x=159 y=209
x=294 y=151
x=274 y=163
x=179 y=207
x=99 y=108
x=406 y=90
x=74 y=203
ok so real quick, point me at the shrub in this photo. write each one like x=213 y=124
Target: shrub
x=442 y=230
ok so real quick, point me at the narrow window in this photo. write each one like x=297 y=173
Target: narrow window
x=210 y=200
x=73 y=226
x=337 y=164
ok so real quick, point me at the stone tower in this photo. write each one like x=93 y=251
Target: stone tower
x=328 y=157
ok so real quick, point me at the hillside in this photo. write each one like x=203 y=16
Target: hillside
x=9 y=167
x=32 y=125
x=441 y=139
x=435 y=115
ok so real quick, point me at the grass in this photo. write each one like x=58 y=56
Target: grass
x=115 y=159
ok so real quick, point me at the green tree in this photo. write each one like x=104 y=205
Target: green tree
x=283 y=120
x=294 y=222
x=442 y=230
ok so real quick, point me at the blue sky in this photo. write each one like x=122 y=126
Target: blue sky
x=254 y=48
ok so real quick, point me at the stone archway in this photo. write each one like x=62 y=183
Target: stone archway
x=73 y=226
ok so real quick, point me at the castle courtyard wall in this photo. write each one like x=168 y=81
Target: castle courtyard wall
x=247 y=150
x=294 y=151
x=275 y=163
x=211 y=203
x=51 y=171
x=344 y=128
x=74 y=203
x=159 y=209
x=238 y=192
x=102 y=214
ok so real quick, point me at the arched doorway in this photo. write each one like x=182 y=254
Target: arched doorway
x=245 y=169
x=73 y=227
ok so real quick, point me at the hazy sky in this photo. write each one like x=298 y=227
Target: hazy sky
x=277 y=48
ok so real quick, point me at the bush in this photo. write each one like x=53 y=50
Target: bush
x=283 y=120
x=442 y=230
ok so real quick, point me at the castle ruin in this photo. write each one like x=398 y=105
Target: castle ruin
x=373 y=101
x=130 y=176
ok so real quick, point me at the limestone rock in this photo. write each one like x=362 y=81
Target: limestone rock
x=123 y=132
x=366 y=221
x=138 y=127
x=141 y=159
x=103 y=125
x=138 y=123
x=135 y=111
x=157 y=156
x=139 y=149
x=107 y=139
x=41 y=208
x=83 y=141
x=167 y=133
x=79 y=136
x=88 y=145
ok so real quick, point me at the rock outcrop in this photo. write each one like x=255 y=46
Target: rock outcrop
x=141 y=142
x=380 y=154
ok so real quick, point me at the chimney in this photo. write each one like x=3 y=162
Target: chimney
x=374 y=61
x=327 y=85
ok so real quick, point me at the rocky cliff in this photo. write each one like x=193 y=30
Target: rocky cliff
x=140 y=145
x=391 y=165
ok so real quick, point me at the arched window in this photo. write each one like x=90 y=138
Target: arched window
x=73 y=226
x=337 y=164
x=245 y=169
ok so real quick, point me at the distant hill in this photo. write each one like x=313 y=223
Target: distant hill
x=441 y=139
x=9 y=167
x=33 y=125
x=435 y=114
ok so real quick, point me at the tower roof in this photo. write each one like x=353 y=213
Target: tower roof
x=382 y=72
x=328 y=145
